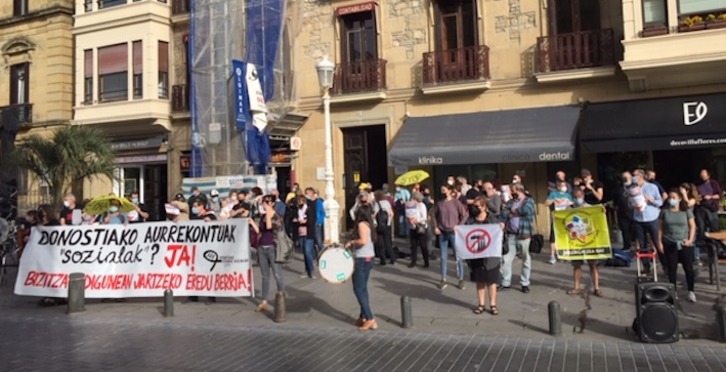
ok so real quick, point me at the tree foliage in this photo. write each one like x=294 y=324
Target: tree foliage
x=71 y=154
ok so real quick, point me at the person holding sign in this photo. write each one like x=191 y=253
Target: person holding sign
x=580 y=202
x=270 y=223
x=676 y=236
x=363 y=248
x=200 y=212
x=517 y=220
x=558 y=200
x=484 y=271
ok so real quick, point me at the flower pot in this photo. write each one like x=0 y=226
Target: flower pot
x=716 y=23
x=654 y=31
x=696 y=27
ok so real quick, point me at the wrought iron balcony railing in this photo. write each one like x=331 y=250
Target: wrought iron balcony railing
x=455 y=65
x=360 y=77
x=575 y=50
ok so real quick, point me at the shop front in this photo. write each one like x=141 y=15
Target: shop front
x=675 y=136
x=491 y=146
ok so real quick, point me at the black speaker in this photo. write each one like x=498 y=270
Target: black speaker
x=657 y=317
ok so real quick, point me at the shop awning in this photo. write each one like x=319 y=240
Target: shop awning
x=527 y=135
x=655 y=124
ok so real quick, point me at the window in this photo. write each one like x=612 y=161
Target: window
x=19 y=84
x=654 y=13
x=20 y=7
x=88 y=76
x=360 y=42
x=103 y=4
x=568 y=16
x=138 y=70
x=113 y=73
x=88 y=5
x=456 y=24
x=163 y=69
x=700 y=6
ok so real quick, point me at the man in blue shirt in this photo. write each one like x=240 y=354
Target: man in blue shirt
x=400 y=197
x=646 y=200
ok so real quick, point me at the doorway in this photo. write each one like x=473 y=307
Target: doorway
x=366 y=160
x=150 y=181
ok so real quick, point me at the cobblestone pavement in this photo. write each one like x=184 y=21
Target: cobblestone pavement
x=71 y=343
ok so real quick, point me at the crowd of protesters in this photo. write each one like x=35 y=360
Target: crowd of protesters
x=671 y=222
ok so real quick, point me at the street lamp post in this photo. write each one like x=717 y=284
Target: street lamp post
x=332 y=229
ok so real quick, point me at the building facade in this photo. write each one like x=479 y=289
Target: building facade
x=487 y=88
x=123 y=86
x=36 y=81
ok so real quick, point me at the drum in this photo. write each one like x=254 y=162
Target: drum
x=336 y=264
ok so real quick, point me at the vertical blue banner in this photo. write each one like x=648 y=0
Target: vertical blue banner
x=196 y=158
x=241 y=95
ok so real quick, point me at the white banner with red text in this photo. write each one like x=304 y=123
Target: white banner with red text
x=192 y=258
x=478 y=241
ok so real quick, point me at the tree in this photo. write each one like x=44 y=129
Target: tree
x=73 y=153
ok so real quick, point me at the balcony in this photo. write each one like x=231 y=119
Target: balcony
x=180 y=98
x=14 y=116
x=576 y=55
x=179 y=7
x=462 y=69
x=359 y=81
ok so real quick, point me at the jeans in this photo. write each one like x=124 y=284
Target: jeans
x=361 y=274
x=267 y=255
x=673 y=256
x=384 y=246
x=648 y=228
x=319 y=237
x=626 y=227
x=447 y=239
x=403 y=228
x=706 y=221
x=308 y=246
x=419 y=241
x=516 y=246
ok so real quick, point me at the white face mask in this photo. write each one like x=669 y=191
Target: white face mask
x=450 y=182
x=67 y=204
x=563 y=189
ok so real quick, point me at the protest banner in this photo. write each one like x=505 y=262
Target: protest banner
x=582 y=234
x=478 y=241
x=192 y=258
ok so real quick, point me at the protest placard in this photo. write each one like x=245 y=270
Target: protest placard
x=478 y=241
x=582 y=234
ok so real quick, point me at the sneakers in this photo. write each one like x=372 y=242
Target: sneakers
x=553 y=260
x=306 y=276
x=443 y=284
x=462 y=284
x=691 y=297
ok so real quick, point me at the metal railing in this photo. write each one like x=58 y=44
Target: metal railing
x=575 y=50
x=357 y=77
x=21 y=113
x=180 y=98
x=462 y=64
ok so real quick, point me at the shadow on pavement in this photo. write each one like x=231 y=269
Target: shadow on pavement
x=419 y=292
x=299 y=301
x=529 y=326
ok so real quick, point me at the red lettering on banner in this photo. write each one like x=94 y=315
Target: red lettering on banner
x=231 y=282
x=111 y=281
x=180 y=254
x=158 y=281
x=46 y=280
x=198 y=282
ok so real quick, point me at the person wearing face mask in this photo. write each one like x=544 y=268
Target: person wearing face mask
x=306 y=235
x=114 y=216
x=400 y=198
x=557 y=200
x=450 y=213
x=140 y=213
x=625 y=210
x=517 y=221
x=560 y=176
x=200 y=212
x=593 y=189
x=676 y=238
x=646 y=202
x=214 y=203
x=69 y=210
x=196 y=193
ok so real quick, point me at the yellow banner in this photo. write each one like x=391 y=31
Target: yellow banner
x=582 y=234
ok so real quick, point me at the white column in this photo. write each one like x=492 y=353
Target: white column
x=332 y=208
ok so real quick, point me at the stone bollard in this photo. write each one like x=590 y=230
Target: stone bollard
x=553 y=309
x=168 y=303
x=76 y=293
x=721 y=320
x=280 y=310
x=406 y=316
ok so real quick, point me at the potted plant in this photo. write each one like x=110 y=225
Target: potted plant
x=692 y=23
x=714 y=22
x=649 y=31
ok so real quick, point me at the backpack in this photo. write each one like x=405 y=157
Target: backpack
x=620 y=258
x=381 y=219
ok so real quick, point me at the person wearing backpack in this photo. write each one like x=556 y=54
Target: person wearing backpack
x=270 y=224
x=383 y=216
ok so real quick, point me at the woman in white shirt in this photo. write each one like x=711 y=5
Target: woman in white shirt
x=416 y=216
x=384 y=244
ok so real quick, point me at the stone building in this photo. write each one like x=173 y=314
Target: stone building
x=36 y=78
x=487 y=88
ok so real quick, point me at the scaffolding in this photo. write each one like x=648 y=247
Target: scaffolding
x=222 y=31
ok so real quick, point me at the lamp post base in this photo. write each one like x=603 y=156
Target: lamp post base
x=332 y=221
